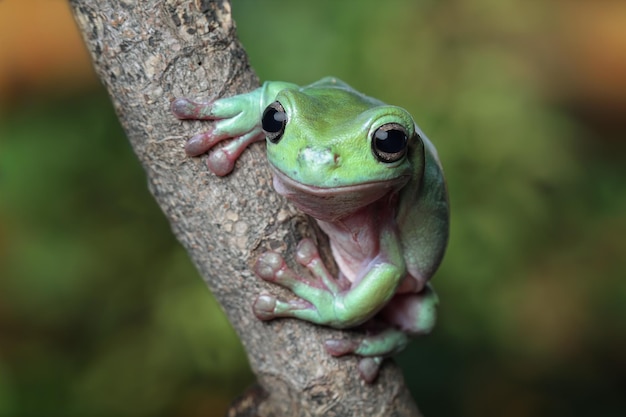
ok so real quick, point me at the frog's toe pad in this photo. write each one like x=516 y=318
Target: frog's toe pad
x=339 y=347
x=183 y=108
x=306 y=252
x=264 y=307
x=268 y=265
x=220 y=163
x=369 y=367
x=199 y=144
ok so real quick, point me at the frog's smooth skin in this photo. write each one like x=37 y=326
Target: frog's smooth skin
x=373 y=182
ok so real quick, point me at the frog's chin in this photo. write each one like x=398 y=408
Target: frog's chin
x=333 y=203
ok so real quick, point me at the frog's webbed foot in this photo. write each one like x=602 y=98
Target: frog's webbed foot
x=372 y=348
x=384 y=343
x=368 y=365
x=316 y=296
x=232 y=122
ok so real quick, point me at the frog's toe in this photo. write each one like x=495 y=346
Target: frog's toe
x=183 y=108
x=268 y=265
x=306 y=252
x=186 y=109
x=268 y=307
x=264 y=307
x=369 y=367
x=220 y=163
x=200 y=143
x=339 y=347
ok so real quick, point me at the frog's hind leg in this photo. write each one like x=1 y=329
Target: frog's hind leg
x=406 y=315
x=413 y=313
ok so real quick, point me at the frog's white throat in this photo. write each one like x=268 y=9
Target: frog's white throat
x=332 y=204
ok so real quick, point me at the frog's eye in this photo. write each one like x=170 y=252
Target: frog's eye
x=273 y=121
x=389 y=142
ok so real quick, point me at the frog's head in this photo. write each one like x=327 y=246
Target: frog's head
x=334 y=150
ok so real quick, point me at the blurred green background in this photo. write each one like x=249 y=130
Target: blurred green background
x=102 y=313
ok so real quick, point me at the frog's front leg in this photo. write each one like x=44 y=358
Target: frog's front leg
x=325 y=300
x=316 y=296
x=237 y=118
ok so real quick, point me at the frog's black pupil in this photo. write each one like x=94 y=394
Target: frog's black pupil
x=390 y=141
x=273 y=120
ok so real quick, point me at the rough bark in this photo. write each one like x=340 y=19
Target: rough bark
x=148 y=52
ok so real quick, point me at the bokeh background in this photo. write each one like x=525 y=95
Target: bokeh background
x=102 y=313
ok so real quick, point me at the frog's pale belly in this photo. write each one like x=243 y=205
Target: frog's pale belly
x=355 y=243
x=351 y=266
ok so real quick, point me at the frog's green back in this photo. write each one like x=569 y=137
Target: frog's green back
x=424 y=216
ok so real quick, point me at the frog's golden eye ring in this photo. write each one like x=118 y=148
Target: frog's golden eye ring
x=390 y=142
x=274 y=121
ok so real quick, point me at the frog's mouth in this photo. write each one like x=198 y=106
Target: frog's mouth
x=333 y=203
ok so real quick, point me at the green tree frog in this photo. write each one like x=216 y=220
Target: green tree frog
x=374 y=184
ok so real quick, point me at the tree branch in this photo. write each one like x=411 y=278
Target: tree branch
x=149 y=52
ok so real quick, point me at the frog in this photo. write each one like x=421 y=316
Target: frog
x=372 y=181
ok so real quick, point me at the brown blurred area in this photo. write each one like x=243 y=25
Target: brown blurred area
x=580 y=60
x=583 y=67
x=40 y=50
x=590 y=59
x=588 y=72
